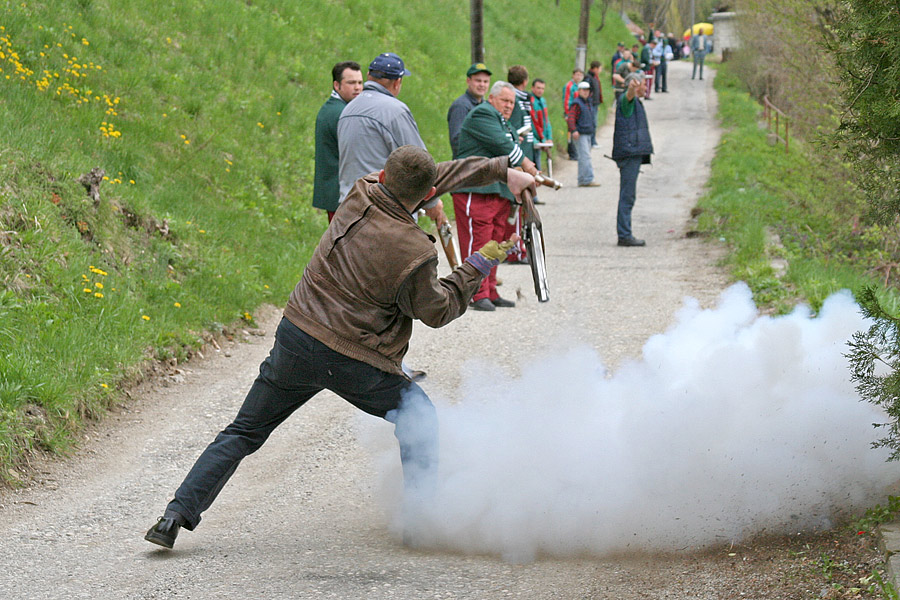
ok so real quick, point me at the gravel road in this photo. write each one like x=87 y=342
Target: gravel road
x=299 y=518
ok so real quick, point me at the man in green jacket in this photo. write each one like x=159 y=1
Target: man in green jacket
x=482 y=211
x=346 y=85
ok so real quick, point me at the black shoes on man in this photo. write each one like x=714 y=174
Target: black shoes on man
x=488 y=305
x=164 y=532
x=631 y=241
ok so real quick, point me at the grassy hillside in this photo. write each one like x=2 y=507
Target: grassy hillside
x=796 y=224
x=201 y=114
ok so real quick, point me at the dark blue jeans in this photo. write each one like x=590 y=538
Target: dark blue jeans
x=297 y=368
x=629 y=169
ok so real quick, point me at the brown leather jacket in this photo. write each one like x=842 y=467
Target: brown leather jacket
x=375 y=270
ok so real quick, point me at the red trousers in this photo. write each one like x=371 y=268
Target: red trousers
x=480 y=218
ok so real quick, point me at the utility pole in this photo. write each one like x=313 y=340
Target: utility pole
x=581 y=47
x=476 y=17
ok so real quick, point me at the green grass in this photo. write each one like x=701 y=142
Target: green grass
x=799 y=207
x=202 y=115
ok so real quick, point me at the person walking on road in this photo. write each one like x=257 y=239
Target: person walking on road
x=347 y=325
x=346 y=85
x=632 y=148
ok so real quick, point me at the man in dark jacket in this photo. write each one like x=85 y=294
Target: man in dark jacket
x=632 y=147
x=346 y=85
x=593 y=77
x=478 y=80
x=348 y=323
x=580 y=120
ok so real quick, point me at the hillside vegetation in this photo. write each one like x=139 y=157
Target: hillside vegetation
x=201 y=114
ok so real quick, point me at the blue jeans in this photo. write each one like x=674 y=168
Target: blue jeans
x=594 y=108
x=297 y=368
x=629 y=169
x=585 y=170
x=699 y=55
x=660 y=80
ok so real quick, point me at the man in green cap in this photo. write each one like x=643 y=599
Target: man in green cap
x=478 y=80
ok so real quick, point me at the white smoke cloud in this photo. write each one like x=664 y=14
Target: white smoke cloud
x=731 y=424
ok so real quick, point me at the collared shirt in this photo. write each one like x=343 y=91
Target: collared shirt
x=370 y=128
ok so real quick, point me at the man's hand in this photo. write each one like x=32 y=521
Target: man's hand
x=528 y=166
x=575 y=135
x=517 y=181
x=436 y=214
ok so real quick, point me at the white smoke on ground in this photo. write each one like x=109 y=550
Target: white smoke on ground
x=730 y=425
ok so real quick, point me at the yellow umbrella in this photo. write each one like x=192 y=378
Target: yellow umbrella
x=704 y=28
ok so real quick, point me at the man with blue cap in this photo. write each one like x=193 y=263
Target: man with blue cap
x=375 y=124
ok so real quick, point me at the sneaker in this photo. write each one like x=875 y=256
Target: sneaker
x=417 y=375
x=631 y=241
x=591 y=184
x=164 y=532
x=483 y=304
x=502 y=302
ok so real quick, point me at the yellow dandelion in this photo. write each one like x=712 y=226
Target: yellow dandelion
x=202 y=230
x=87 y=290
x=187 y=142
x=145 y=317
x=178 y=305
x=131 y=181
x=104 y=386
x=266 y=285
x=98 y=285
x=98 y=295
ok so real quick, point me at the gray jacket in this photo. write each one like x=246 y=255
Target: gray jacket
x=373 y=125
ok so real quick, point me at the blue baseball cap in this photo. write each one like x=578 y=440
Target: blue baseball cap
x=390 y=64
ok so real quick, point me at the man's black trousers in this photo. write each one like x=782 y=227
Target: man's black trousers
x=297 y=368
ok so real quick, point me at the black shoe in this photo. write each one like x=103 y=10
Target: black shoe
x=164 y=532
x=631 y=241
x=483 y=304
x=519 y=261
x=417 y=375
x=502 y=303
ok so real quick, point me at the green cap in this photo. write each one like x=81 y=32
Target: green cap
x=478 y=68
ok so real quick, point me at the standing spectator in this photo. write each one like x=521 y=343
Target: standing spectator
x=593 y=77
x=543 y=132
x=569 y=92
x=620 y=48
x=648 y=64
x=660 y=56
x=376 y=124
x=346 y=85
x=675 y=46
x=481 y=211
x=632 y=147
x=478 y=80
x=624 y=67
x=580 y=120
x=520 y=118
x=700 y=47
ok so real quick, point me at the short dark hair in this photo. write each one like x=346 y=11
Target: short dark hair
x=409 y=173
x=337 y=72
x=517 y=75
x=595 y=64
x=577 y=70
x=538 y=80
